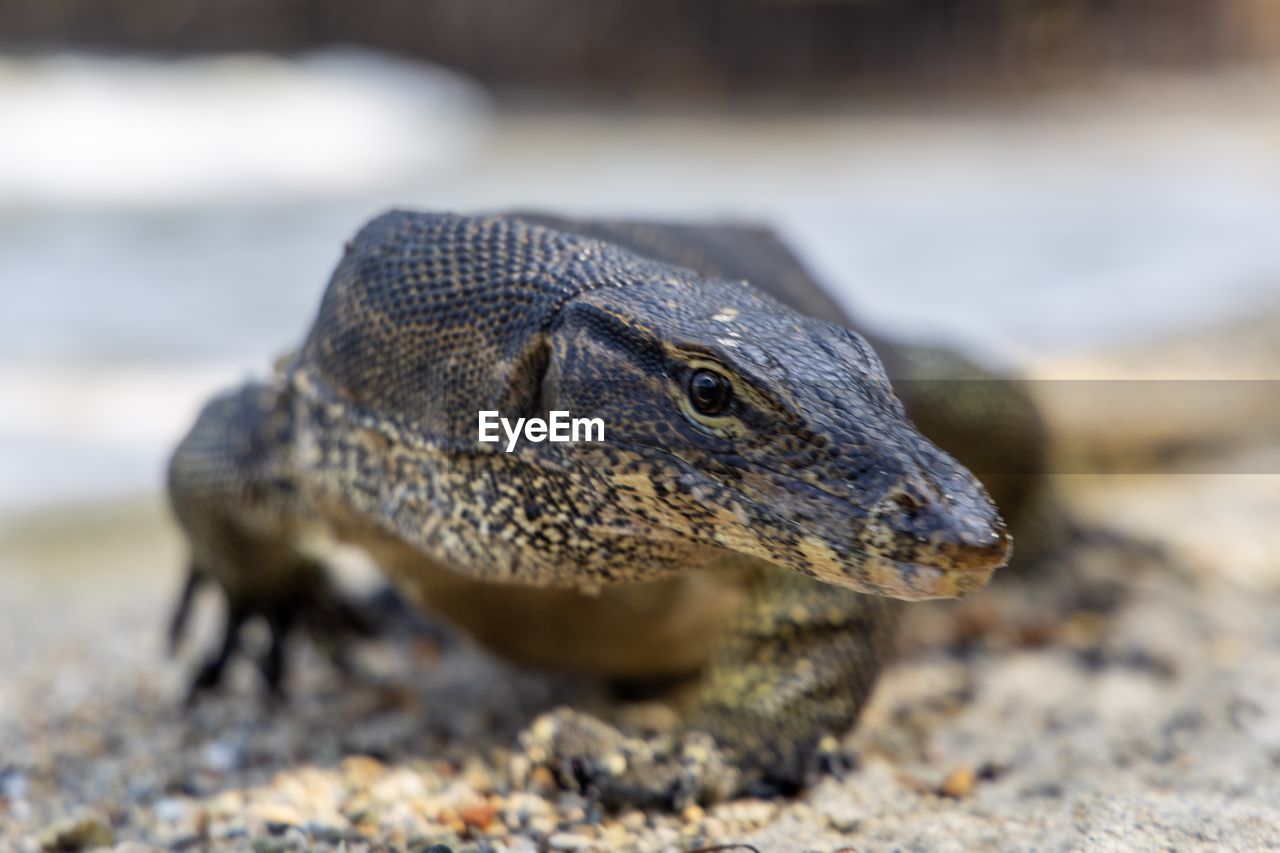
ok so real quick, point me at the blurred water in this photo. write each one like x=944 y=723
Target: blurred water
x=167 y=227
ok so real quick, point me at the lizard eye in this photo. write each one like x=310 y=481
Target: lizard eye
x=709 y=392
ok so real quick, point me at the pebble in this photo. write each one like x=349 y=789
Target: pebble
x=542 y=780
x=478 y=777
x=747 y=813
x=844 y=821
x=278 y=844
x=543 y=824
x=276 y=813
x=615 y=764
x=960 y=782
x=569 y=841
x=13 y=785
x=713 y=828
x=361 y=770
x=171 y=809
x=226 y=804
x=397 y=785
x=478 y=815
x=219 y=756
x=78 y=833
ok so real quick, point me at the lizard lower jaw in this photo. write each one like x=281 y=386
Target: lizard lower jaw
x=948 y=569
x=987 y=553
x=915 y=581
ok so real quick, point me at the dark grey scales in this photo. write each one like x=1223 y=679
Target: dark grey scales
x=758 y=503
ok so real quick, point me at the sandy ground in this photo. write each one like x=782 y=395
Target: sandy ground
x=1154 y=725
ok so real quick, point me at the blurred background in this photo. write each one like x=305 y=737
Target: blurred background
x=1075 y=189
x=177 y=176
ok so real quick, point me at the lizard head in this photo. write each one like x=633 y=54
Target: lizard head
x=734 y=423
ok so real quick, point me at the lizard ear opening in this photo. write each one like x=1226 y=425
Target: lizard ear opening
x=525 y=395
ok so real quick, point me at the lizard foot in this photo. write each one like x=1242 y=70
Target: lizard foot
x=311 y=605
x=602 y=762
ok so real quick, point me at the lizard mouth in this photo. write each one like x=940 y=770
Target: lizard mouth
x=912 y=581
x=948 y=566
x=914 y=573
x=935 y=548
x=906 y=547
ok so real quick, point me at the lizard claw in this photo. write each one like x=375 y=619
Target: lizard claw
x=182 y=609
x=312 y=605
x=602 y=762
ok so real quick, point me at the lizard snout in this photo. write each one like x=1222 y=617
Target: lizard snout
x=948 y=544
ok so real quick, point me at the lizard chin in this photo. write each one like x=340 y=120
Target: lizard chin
x=916 y=581
x=951 y=561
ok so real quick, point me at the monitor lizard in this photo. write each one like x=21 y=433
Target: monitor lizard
x=759 y=505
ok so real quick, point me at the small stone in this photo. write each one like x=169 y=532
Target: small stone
x=542 y=780
x=695 y=752
x=361 y=770
x=748 y=814
x=397 y=785
x=477 y=776
x=13 y=785
x=544 y=728
x=519 y=768
x=328 y=834
x=568 y=841
x=960 y=783
x=276 y=844
x=478 y=815
x=226 y=804
x=364 y=819
x=171 y=809
x=615 y=764
x=615 y=838
x=693 y=814
x=450 y=818
x=844 y=821
x=665 y=836
x=520 y=807
x=520 y=844
x=543 y=824
x=633 y=820
x=219 y=756
x=78 y=833
x=275 y=814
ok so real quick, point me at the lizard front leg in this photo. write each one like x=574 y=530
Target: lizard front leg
x=792 y=676
x=233 y=488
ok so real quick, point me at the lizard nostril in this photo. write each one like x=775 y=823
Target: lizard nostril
x=907 y=502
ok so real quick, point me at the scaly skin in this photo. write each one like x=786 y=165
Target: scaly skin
x=750 y=551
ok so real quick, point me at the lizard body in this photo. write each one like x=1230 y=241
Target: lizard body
x=759 y=498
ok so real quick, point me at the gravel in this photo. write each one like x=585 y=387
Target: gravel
x=1006 y=722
